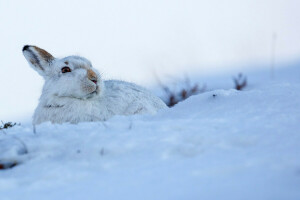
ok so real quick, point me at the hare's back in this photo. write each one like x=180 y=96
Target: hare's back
x=131 y=98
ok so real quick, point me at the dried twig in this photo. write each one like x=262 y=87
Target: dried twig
x=173 y=97
x=240 y=81
x=8 y=125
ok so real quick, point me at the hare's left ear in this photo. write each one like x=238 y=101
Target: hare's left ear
x=39 y=59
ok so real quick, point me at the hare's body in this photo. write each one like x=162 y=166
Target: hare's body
x=74 y=91
x=117 y=98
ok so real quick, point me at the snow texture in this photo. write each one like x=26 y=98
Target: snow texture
x=222 y=144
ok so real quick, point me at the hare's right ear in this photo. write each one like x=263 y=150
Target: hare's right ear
x=39 y=59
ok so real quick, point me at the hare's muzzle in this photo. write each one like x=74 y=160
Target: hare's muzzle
x=92 y=76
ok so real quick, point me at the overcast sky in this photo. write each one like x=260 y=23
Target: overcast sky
x=132 y=40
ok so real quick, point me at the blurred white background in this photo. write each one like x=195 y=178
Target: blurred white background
x=133 y=40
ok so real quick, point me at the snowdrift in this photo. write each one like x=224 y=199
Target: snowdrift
x=222 y=144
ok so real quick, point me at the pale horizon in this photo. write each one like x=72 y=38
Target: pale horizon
x=132 y=41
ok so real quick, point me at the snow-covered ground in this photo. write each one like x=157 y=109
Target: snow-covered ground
x=222 y=144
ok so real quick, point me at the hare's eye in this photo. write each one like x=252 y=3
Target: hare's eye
x=65 y=69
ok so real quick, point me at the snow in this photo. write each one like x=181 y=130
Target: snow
x=221 y=144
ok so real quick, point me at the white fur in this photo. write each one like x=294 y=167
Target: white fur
x=73 y=97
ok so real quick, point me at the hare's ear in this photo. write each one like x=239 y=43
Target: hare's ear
x=39 y=59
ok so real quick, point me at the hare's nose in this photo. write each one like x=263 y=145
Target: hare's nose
x=92 y=75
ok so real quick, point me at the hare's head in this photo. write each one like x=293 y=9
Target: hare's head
x=72 y=76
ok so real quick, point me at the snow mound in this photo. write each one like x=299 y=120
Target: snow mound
x=223 y=144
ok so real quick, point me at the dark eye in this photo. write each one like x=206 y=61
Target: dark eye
x=65 y=69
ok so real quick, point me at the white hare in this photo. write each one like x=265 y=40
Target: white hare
x=74 y=91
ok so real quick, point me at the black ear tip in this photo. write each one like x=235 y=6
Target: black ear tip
x=25 y=47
